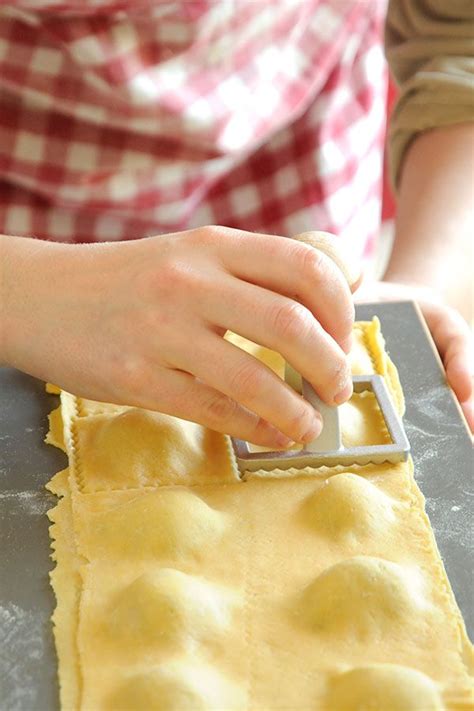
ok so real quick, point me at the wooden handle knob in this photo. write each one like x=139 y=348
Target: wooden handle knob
x=327 y=243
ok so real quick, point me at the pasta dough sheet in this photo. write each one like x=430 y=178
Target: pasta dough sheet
x=179 y=586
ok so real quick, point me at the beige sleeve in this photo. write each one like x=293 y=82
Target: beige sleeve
x=430 y=50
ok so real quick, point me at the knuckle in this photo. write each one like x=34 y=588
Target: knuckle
x=213 y=231
x=317 y=266
x=291 y=321
x=247 y=380
x=176 y=276
x=173 y=272
x=220 y=408
x=210 y=234
x=132 y=376
x=207 y=235
x=313 y=263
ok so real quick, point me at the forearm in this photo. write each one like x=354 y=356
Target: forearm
x=435 y=220
x=8 y=275
x=29 y=269
x=15 y=286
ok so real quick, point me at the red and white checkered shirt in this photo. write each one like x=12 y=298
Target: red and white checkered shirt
x=125 y=119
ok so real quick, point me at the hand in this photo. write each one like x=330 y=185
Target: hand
x=450 y=332
x=142 y=323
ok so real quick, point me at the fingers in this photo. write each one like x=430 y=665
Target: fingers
x=285 y=326
x=454 y=341
x=451 y=334
x=468 y=410
x=328 y=244
x=242 y=378
x=296 y=270
x=355 y=286
x=460 y=374
x=189 y=399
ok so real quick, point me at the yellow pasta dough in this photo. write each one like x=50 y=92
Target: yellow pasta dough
x=181 y=586
x=384 y=686
x=123 y=451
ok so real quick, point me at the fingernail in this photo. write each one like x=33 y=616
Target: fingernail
x=344 y=394
x=314 y=431
x=282 y=441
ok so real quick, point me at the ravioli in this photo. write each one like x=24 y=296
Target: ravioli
x=182 y=586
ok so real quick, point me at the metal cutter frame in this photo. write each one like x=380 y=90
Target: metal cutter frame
x=328 y=450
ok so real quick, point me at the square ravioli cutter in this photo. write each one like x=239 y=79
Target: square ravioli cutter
x=328 y=450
